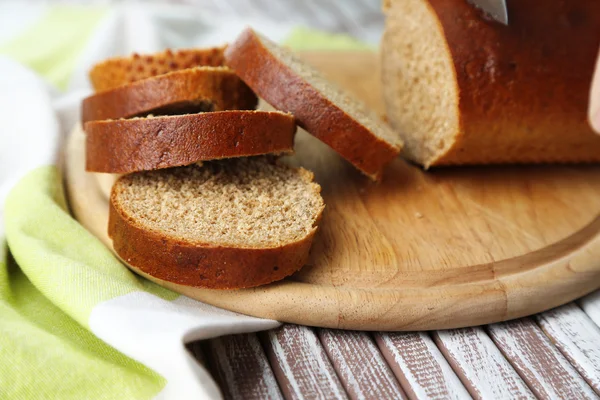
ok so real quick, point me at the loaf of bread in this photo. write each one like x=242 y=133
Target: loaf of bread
x=144 y=144
x=180 y=92
x=225 y=225
x=321 y=108
x=118 y=71
x=463 y=89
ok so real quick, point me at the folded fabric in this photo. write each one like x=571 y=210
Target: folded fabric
x=76 y=322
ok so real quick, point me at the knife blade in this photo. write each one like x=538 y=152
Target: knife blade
x=494 y=8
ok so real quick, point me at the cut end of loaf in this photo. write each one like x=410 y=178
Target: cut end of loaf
x=243 y=203
x=419 y=81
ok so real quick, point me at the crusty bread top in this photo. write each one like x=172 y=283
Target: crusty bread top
x=250 y=202
x=118 y=71
x=143 y=144
x=179 y=92
x=324 y=110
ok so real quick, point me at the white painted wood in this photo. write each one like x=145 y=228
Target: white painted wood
x=591 y=306
x=577 y=338
x=360 y=365
x=540 y=364
x=242 y=368
x=480 y=365
x=420 y=366
x=301 y=365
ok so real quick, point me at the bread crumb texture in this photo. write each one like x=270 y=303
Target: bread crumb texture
x=250 y=202
x=419 y=84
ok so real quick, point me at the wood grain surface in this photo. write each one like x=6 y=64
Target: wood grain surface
x=421 y=250
x=577 y=337
x=301 y=364
x=542 y=367
x=420 y=366
x=360 y=365
x=240 y=367
x=520 y=363
x=480 y=365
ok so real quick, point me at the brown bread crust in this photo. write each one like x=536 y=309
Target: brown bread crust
x=285 y=90
x=207 y=88
x=144 y=144
x=201 y=265
x=523 y=88
x=118 y=71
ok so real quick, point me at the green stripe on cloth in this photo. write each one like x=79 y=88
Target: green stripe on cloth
x=4 y=283
x=52 y=46
x=45 y=306
x=47 y=355
x=63 y=260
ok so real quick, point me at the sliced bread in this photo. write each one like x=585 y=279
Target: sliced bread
x=143 y=144
x=180 y=92
x=325 y=111
x=118 y=71
x=223 y=225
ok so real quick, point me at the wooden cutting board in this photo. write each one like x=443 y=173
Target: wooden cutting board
x=446 y=248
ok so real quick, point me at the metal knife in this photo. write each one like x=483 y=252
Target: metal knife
x=494 y=8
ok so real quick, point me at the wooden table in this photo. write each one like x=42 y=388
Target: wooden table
x=551 y=355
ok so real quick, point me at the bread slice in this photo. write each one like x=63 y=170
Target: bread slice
x=180 y=92
x=325 y=111
x=144 y=144
x=463 y=89
x=118 y=71
x=224 y=225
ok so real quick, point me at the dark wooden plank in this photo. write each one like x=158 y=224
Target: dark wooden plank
x=480 y=365
x=301 y=365
x=239 y=365
x=360 y=365
x=538 y=362
x=420 y=366
x=196 y=348
x=577 y=337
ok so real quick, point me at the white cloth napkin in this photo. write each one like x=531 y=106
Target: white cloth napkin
x=35 y=121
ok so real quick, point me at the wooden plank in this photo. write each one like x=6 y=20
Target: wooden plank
x=480 y=365
x=301 y=364
x=420 y=366
x=360 y=365
x=577 y=338
x=195 y=348
x=540 y=364
x=591 y=306
x=241 y=369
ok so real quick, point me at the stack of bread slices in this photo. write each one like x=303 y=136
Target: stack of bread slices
x=203 y=200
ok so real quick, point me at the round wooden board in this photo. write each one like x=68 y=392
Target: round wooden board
x=421 y=250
